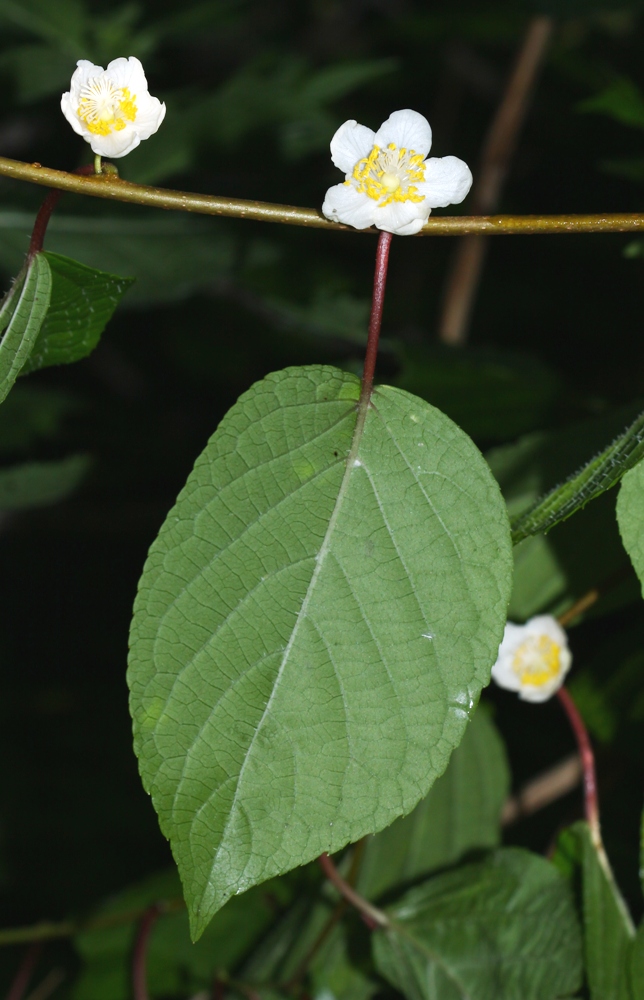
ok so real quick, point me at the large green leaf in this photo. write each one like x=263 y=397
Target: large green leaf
x=461 y=813
x=82 y=301
x=630 y=517
x=608 y=930
x=313 y=627
x=21 y=318
x=505 y=929
x=597 y=475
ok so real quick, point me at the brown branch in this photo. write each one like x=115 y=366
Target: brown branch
x=497 y=153
x=112 y=188
x=541 y=791
x=373 y=917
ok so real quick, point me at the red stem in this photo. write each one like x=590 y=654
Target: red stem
x=587 y=761
x=377 y=303
x=372 y=917
x=24 y=973
x=140 y=954
x=45 y=213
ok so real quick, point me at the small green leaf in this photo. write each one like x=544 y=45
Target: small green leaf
x=462 y=812
x=608 y=930
x=82 y=301
x=597 y=475
x=21 y=318
x=314 y=624
x=505 y=929
x=36 y=484
x=630 y=517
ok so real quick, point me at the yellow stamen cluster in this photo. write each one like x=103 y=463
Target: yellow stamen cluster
x=388 y=175
x=537 y=660
x=105 y=108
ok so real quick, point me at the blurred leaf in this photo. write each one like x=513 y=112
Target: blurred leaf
x=31 y=414
x=54 y=70
x=608 y=930
x=462 y=812
x=622 y=100
x=632 y=169
x=505 y=928
x=21 y=317
x=334 y=630
x=63 y=22
x=82 y=302
x=37 y=484
x=170 y=257
x=175 y=965
x=284 y=92
x=598 y=714
x=491 y=395
x=595 y=477
x=630 y=517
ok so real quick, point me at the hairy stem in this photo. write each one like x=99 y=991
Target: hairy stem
x=377 y=305
x=111 y=187
x=373 y=917
x=587 y=762
x=495 y=162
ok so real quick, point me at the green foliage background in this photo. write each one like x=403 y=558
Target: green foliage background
x=552 y=374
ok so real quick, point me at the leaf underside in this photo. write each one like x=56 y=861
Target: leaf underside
x=21 y=318
x=595 y=477
x=314 y=624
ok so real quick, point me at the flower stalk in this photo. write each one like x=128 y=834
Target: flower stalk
x=377 y=305
x=587 y=758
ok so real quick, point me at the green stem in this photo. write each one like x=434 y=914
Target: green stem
x=98 y=167
x=112 y=188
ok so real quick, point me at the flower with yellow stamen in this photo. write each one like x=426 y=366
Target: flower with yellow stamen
x=389 y=182
x=112 y=108
x=533 y=658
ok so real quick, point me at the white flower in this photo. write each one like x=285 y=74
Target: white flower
x=389 y=182
x=533 y=658
x=111 y=108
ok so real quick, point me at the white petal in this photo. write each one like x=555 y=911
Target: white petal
x=150 y=114
x=343 y=203
x=85 y=70
x=349 y=144
x=68 y=108
x=404 y=218
x=116 y=144
x=547 y=625
x=447 y=181
x=128 y=73
x=504 y=675
x=407 y=130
